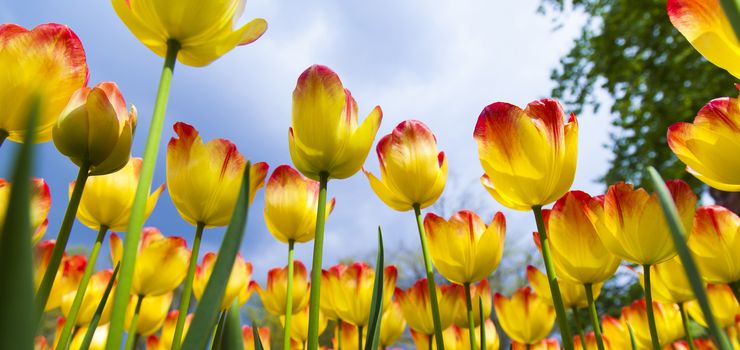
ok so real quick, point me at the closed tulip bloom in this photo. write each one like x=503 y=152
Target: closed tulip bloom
x=100 y=336
x=204 y=179
x=273 y=298
x=525 y=317
x=573 y=294
x=333 y=296
x=667 y=320
x=529 y=156
x=464 y=249
x=492 y=341
x=48 y=62
x=299 y=325
x=451 y=336
x=107 y=200
x=248 y=336
x=578 y=254
x=152 y=314
x=722 y=303
x=357 y=288
x=545 y=344
x=706 y=27
x=714 y=242
x=68 y=277
x=669 y=282
x=591 y=342
x=324 y=136
x=91 y=299
x=615 y=329
x=412 y=172
x=164 y=341
x=630 y=223
x=417 y=310
x=161 y=262
x=706 y=146
x=40 y=204
x=291 y=201
x=481 y=290
x=392 y=324
x=241 y=274
x=95 y=129
x=204 y=31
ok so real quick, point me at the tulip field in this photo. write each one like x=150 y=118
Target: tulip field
x=165 y=292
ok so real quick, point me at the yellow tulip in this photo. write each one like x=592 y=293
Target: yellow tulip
x=464 y=249
x=161 y=262
x=291 y=201
x=714 y=242
x=525 y=317
x=152 y=314
x=164 y=341
x=667 y=320
x=616 y=331
x=492 y=341
x=67 y=278
x=273 y=298
x=573 y=294
x=722 y=303
x=204 y=31
x=706 y=146
x=591 y=342
x=95 y=129
x=412 y=173
x=204 y=179
x=577 y=252
x=332 y=297
x=350 y=337
x=48 y=62
x=91 y=299
x=529 y=156
x=40 y=204
x=107 y=200
x=451 y=336
x=669 y=282
x=241 y=274
x=248 y=336
x=417 y=310
x=353 y=305
x=481 y=290
x=324 y=136
x=544 y=344
x=706 y=27
x=100 y=336
x=630 y=223
x=392 y=324
x=299 y=325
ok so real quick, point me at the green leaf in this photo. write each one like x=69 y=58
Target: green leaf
x=679 y=239
x=256 y=335
x=376 y=307
x=206 y=313
x=633 y=343
x=232 y=338
x=482 y=324
x=99 y=311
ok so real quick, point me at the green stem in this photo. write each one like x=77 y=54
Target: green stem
x=81 y=289
x=735 y=287
x=431 y=341
x=649 y=308
x=553 y=279
x=471 y=321
x=288 y=298
x=187 y=289
x=483 y=344
x=579 y=327
x=339 y=334
x=318 y=248
x=685 y=320
x=594 y=315
x=218 y=333
x=3 y=135
x=42 y=295
x=359 y=337
x=136 y=221
x=131 y=338
x=99 y=311
x=430 y=279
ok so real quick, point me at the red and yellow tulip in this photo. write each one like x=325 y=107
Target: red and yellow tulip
x=332 y=297
x=544 y=344
x=100 y=336
x=273 y=298
x=417 y=310
x=392 y=324
x=615 y=329
x=722 y=303
x=483 y=291
x=526 y=317
x=667 y=321
x=67 y=278
x=248 y=336
x=299 y=325
x=164 y=341
x=349 y=335
x=669 y=282
x=573 y=294
x=91 y=299
x=714 y=242
x=40 y=204
x=451 y=336
x=354 y=288
x=492 y=340
x=591 y=342
x=152 y=314
x=239 y=280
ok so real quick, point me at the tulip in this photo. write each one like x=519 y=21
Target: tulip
x=273 y=298
x=451 y=338
x=545 y=344
x=357 y=292
x=670 y=284
x=574 y=295
x=706 y=27
x=722 y=303
x=100 y=335
x=525 y=317
x=698 y=344
x=416 y=306
x=248 y=336
x=91 y=299
x=154 y=311
x=617 y=332
x=299 y=331
x=492 y=341
x=392 y=324
x=241 y=274
x=40 y=204
x=667 y=321
x=714 y=242
x=706 y=145
x=47 y=62
x=483 y=291
x=164 y=341
x=68 y=276
x=333 y=297
x=590 y=342
x=40 y=343
x=350 y=336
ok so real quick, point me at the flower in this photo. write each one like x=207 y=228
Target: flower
x=248 y=335
x=299 y=324
x=204 y=179
x=273 y=298
x=529 y=156
x=591 y=342
x=480 y=291
x=544 y=344
x=706 y=146
x=669 y=282
x=412 y=173
x=164 y=341
x=291 y=202
x=630 y=223
x=722 y=303
x=706 y=27
x=355 y=288
x=203 y=30
x=464 y=249
x=95 y=129
x=577 y=252
x=152 y=314
x=417 y=310
x=525 y=317
x=392 y=324
x=161 y=262
x=332 y=297
x=616 y=331
x=714 y=242
x=40 y=204
x=324 y=136
x=667 y=321
x=47 y=62
x=241 y=274
x=68 y=277
x=492 y=340
x=107 y=199
x=349 y=334
x=100 y=336
x=573 y=294
x=93 y=294
x=450 y=336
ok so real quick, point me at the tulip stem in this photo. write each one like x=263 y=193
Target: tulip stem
x=339 y=334
x=42 y=295
x=471 y=321
x=430 y=279
x=318 y=249
x=138 y=208
x=187 y=288
x=71 y=319
x=685 y=321
x=594 y=316
x=3 y=135
x=735 y=287
x=553 y=279
x=359 y=337
x=132 y=337
x=579 y=327
x=649 y=308
x=288 y=297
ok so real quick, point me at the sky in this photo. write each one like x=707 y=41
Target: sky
x=438 y=62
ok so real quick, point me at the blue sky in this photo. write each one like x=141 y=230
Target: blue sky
x=440 y=64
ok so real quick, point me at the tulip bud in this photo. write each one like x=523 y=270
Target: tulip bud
x=417 y=310
x=40 y=204
x=356 y=292
x=241 y=274
x=525 y=317
x=273 y=298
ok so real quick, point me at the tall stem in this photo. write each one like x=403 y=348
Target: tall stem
x=318 y=249
x=649 y=308
x=339 y=334
x=42 y=295
x=187 y=289
x=288 y=298
x=471 y=321
x=553 y=279
x=359 y=337
x=579 y=327
x=136 y=221
x=79 y=296
x=131 y=338
x=735 y=287
x=430 y=279
x=594 y=315
x=3 y=135
x=685 y=321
